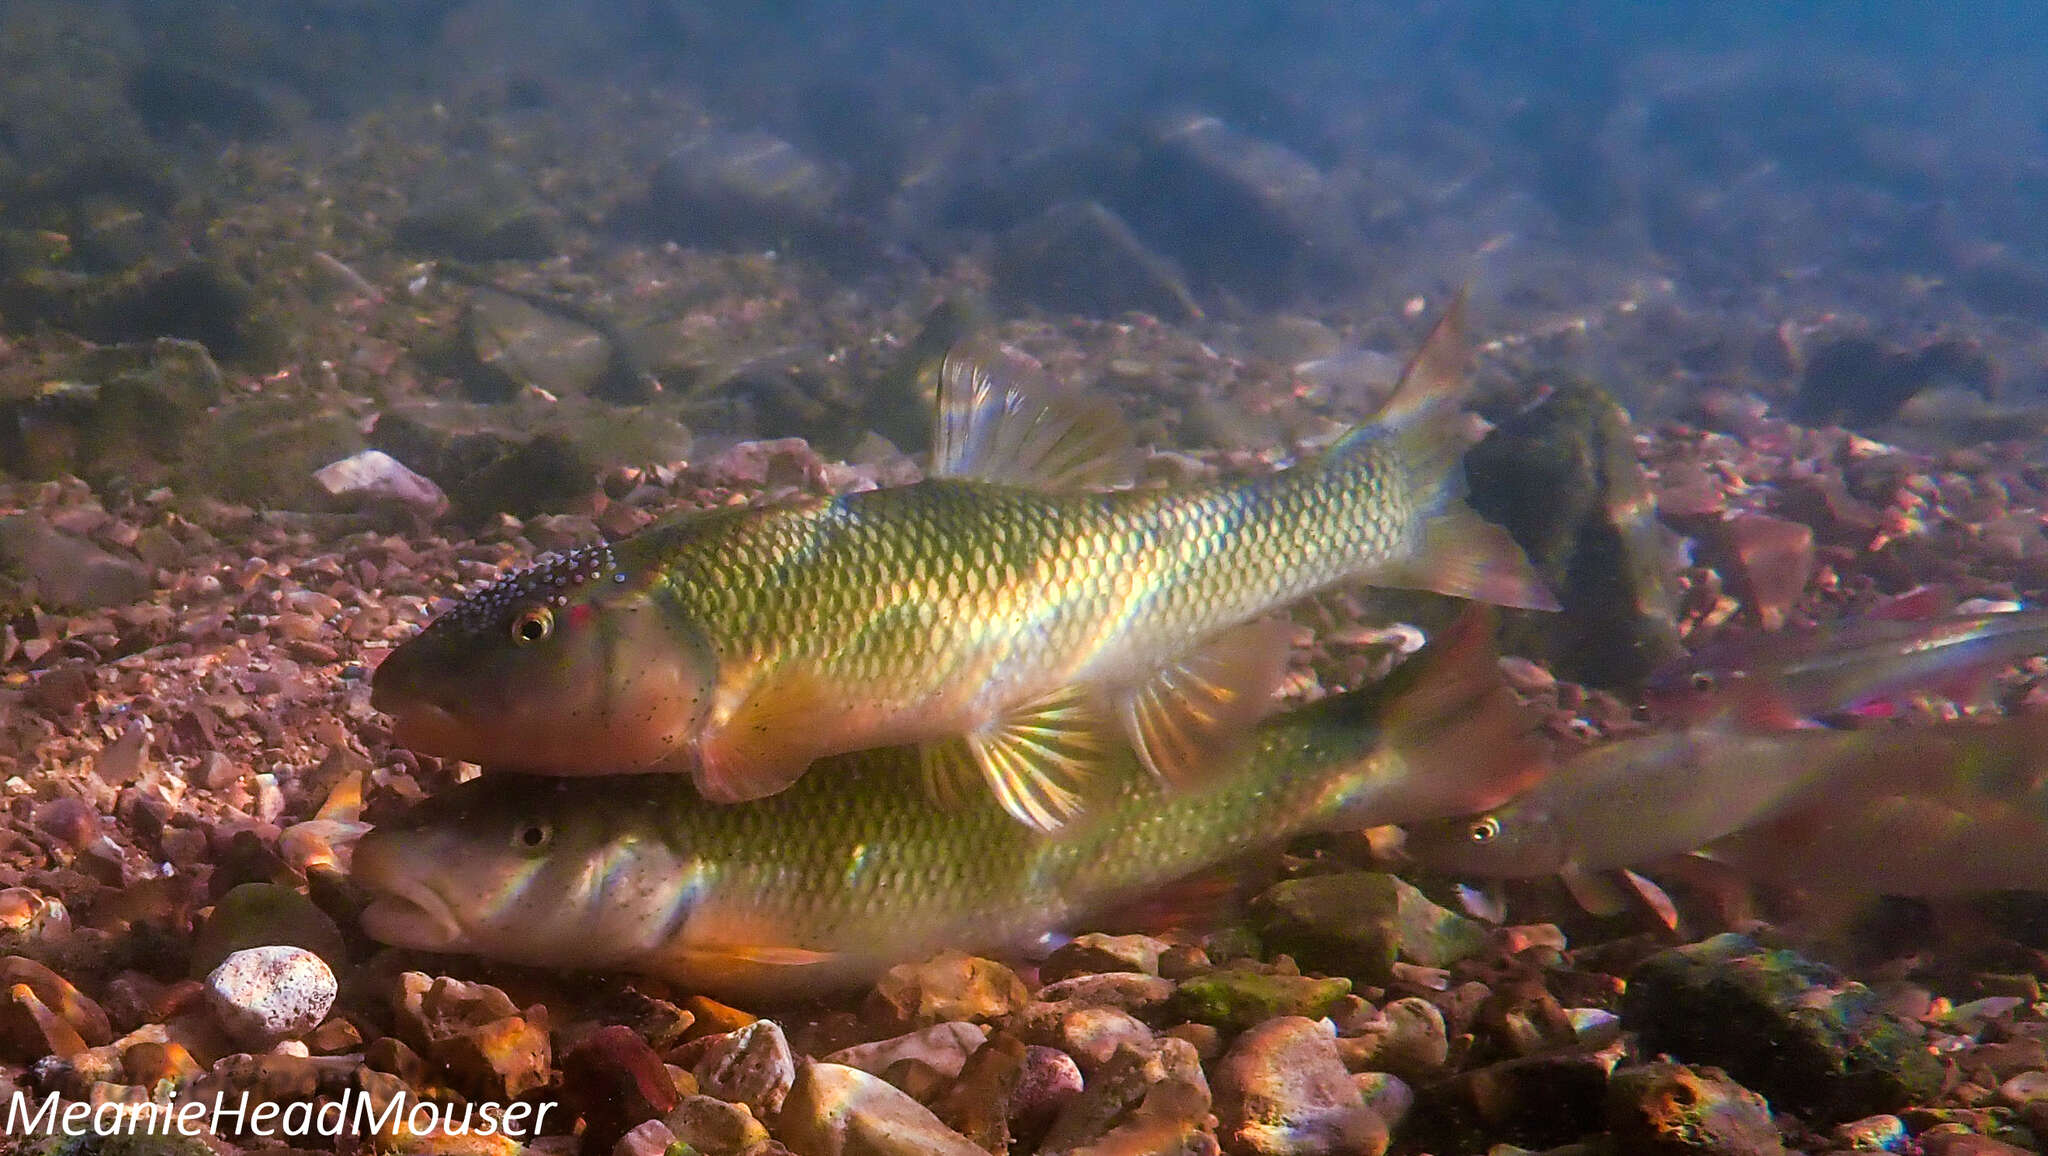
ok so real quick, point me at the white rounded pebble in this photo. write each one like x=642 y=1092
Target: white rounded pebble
x=267 y=994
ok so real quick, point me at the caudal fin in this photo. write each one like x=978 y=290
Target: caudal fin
x=1466 y=744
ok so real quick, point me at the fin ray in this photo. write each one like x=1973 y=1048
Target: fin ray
x=1035 y=759
x=1001 y=421
x=1177 y=719
x=1465 y=556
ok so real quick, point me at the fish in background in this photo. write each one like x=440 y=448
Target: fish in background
x=851 y=870
x=1000 y=615
x=1633 y=802
x=1860 y=669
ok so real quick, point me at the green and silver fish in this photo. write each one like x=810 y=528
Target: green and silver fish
x=851 y=870
x=999 y=614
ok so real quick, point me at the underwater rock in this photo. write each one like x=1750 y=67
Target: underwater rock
x=1357 y=924
x=485 y=474
x=1079 y=257
x=511 y=344
x=715 y=1127
x=1140 y=995
x=751 y=1066
x=374 y=477
x=835 y=1110
x=1281 y=1090
x=1860 y=381
x=952 y=986
x=1091 y=1035
x=1095 y=954
x=265 y=915
x=979 y=1104
x=196 y=300
x=62 y=572
x=1677 y=1110
x=1537 y=1101
x=1408 y=1038
x=1240 y=998
x=744 y=187
x=120 y=409
x=1564 y=479
x=1242 y=213
x=1787 y=1027
x=1123 y=1085
x=174 y=100
x=486 y=216
x=490 y=1049
x=267 y=994
x=946 y=1047
x=1388 y=1095
x=615 y=1083
x=1881 y=1133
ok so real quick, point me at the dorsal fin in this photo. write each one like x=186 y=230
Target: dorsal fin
x=1438 y=372
x=1001 y=421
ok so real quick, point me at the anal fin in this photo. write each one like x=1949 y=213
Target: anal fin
x=1182 y=718
x=1035 y=759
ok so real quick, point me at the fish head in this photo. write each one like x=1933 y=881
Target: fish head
x=1516 y=841
x=537 y=870
x=1697 y=688
x=568 y=667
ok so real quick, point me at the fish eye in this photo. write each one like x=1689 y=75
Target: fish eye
x=534 y=624
x=1701 y=680
x=532 y=835
x=1484 y=830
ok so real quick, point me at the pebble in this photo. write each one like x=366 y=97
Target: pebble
x=1881 y=1133
x=1282 y=1090
x=74 y=1007
x=1965 y=1144
x=943 y=1046
x=1137 y=994
x=1386 y=1094
x=651 y=1138
x=266 y=915
x=267 y=994
x=1121 y=1085
x=1679 y=1110
x=2024 y=1089
x=752 y=1066
x=834 y=1110
x=1050 y=1080
x=1091 y=1035
x=952 y=986
x=978 y=1105
x=490 y=1049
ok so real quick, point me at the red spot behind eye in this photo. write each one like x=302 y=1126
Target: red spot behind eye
x=579 y=615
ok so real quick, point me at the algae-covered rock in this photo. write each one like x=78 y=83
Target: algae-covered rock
x=1358 y=923
x=118 y=409
x=1677 y=1110
x=1240 y=998
x=1080 y=257
x=487 y=216
x=265 y=451
x=1564 y=479
x=1781 y=1024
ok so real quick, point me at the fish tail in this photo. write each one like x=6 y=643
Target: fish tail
x=1464 y=742
x=1422 y=434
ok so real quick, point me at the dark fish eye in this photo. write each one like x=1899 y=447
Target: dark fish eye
x=1702 y=681
x=532 y=625
x=532 y=836
x=1485 y=830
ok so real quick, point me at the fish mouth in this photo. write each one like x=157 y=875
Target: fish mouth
x=427 y=728
x=403 y=912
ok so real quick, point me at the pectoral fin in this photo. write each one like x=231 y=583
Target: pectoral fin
x=1595 y=893
x=1179 y=720
x=1001 y=421
x=761 y=747
x=1033 y=758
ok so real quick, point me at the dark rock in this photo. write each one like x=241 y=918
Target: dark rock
x=1536 y=1102
x=174 y=100
x=1243 y=213
x=1778 y=1023
x=615 y=1082
x=1564 y=479
x=122 y=409
x=1859 y=380
x=978 y=1104
x=1079 y=257
x=1120 y=1089
x=1675 y=1110
x=266 y=915
x=486 y=474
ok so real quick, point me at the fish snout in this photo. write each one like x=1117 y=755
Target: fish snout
x=403 y=910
